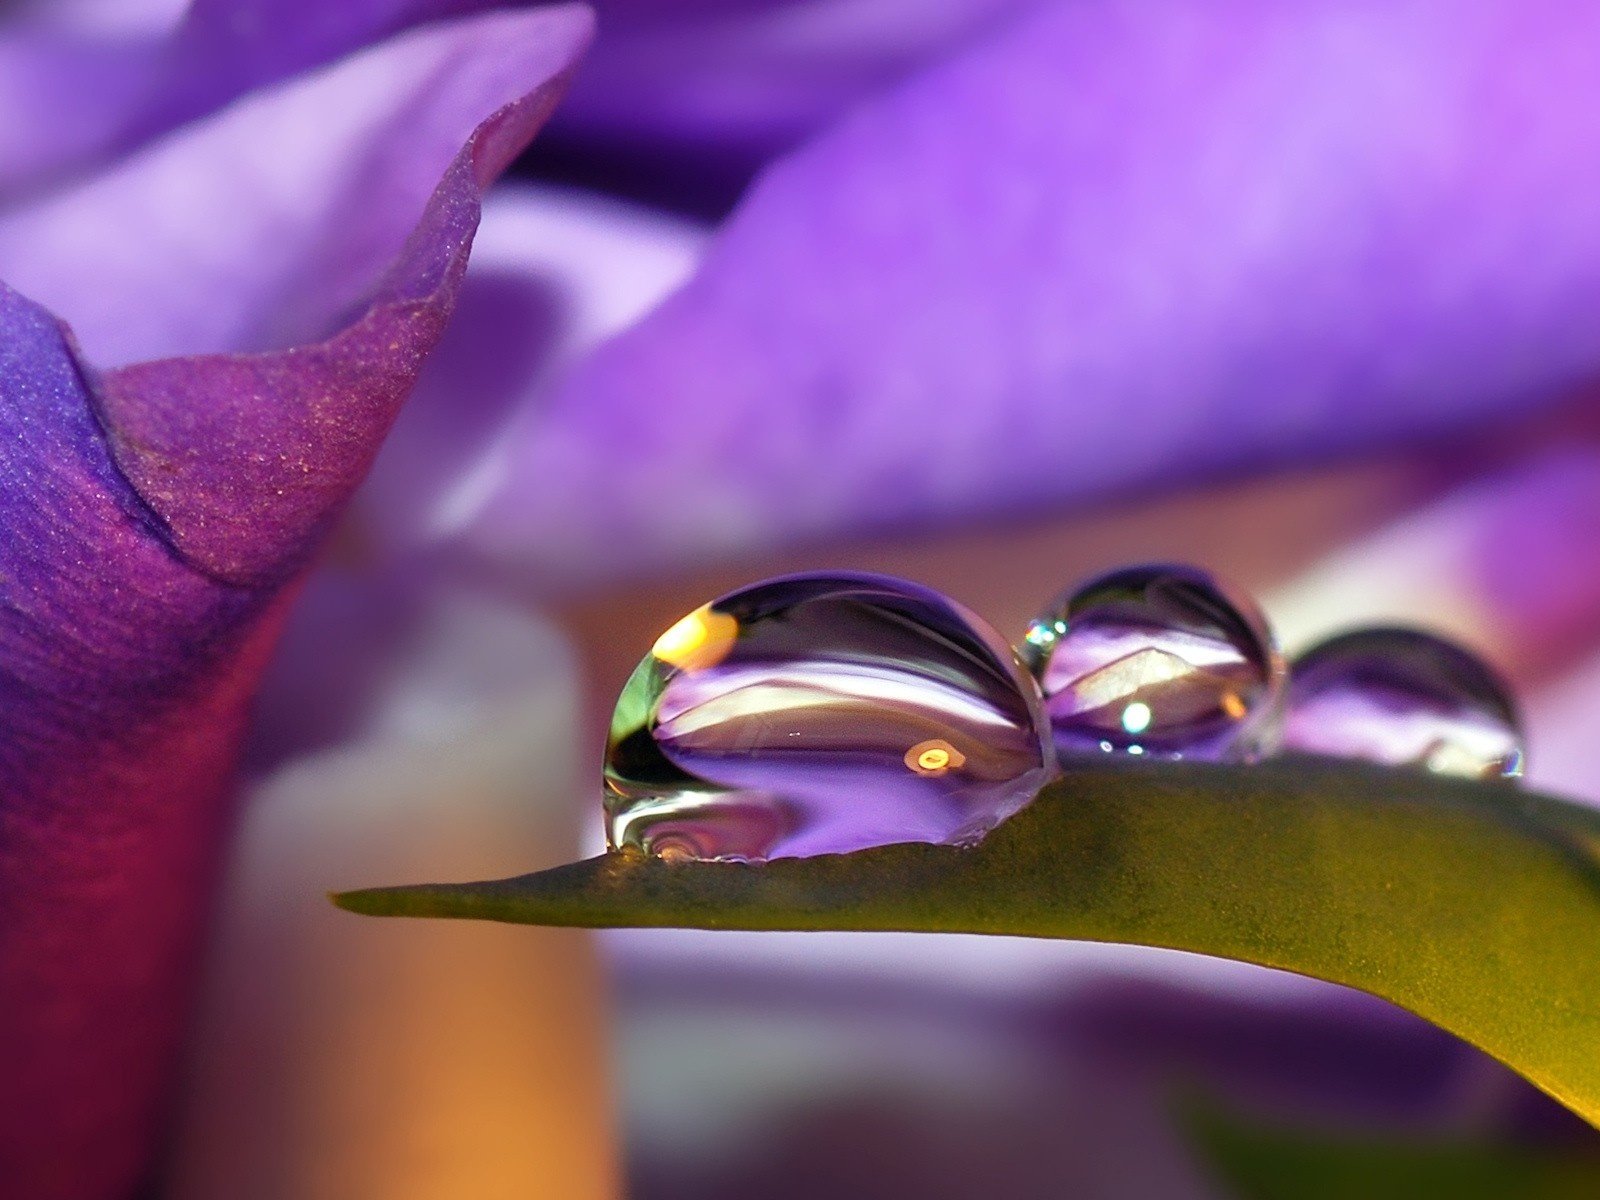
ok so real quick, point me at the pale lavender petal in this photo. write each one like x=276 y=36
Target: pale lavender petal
x=1561 y=721
x=553 y=273
x=1505 y=565
x=98 y=18
x=226 y=48
x=1503 y=562
x=266 y=224
x=88 y=85
x=155 y=520
x=1535 y=563
x=1117 y=247
x=63 y=97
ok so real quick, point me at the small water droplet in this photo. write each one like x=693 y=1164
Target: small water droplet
x=1405 y=698
x=817 y=714
x=1160 y=661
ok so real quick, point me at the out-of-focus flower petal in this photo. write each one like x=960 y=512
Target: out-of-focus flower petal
x=1115 y=247
x=88 y=86
x=1562 y=718
x=744 y=1083
x=266 y=223
x=63 y=96
x=102 y=18
x=718 y=88
x=553 y=273
x=154 y=520
x=1535 y=558
x=228 y=47
x=1505 y=563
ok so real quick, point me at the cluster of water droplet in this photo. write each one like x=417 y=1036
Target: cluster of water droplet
x=817 y=714
x=823 y=713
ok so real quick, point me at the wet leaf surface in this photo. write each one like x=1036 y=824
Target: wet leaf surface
x=1475 y=905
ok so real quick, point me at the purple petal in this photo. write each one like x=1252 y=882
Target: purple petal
x=63 y=97
x=1561 y=718
x=1504 y=562
x=1117 y=247
x=1535 y=566
x=84 y=94
x=226 y=48
x=104 y=18
x=1505 y=565
x=746 y=1083
x=553 y=273
x=266 y=224
x=683 y=102
x=154 y=523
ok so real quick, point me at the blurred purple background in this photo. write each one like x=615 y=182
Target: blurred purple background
x=986 y=293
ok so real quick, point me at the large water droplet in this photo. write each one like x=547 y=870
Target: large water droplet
x=1405 y=698
x=816 y=714
x=1161 y=661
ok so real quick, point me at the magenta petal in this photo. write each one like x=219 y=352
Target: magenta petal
x=1117 y=247
x=123 y=676
x=153 y=524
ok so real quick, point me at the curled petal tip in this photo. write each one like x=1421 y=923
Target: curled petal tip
x=248 y=457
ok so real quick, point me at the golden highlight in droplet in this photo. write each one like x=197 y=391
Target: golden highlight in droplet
x=934 y=757
x=672 y=851
x=700 y=640
x=1233 y=706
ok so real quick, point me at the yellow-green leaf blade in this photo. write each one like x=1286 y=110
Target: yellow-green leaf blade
x=1476 y=906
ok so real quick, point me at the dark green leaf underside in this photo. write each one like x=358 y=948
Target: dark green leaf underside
x=1273 y=1162
x=1474 y=905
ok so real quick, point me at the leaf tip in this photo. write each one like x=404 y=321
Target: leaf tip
x=368 y=902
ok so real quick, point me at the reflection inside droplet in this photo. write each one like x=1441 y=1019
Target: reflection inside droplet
x=701 y=639
x=1157 y=660
x=818 y=714
x=1403 y=697
x=1136 y=717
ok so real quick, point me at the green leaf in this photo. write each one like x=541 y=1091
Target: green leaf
x=1274 y=1162
x=1475 y=905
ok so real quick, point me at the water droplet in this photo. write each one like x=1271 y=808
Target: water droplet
x=1405 y=698
x=1160 y=661
x=817 y=714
